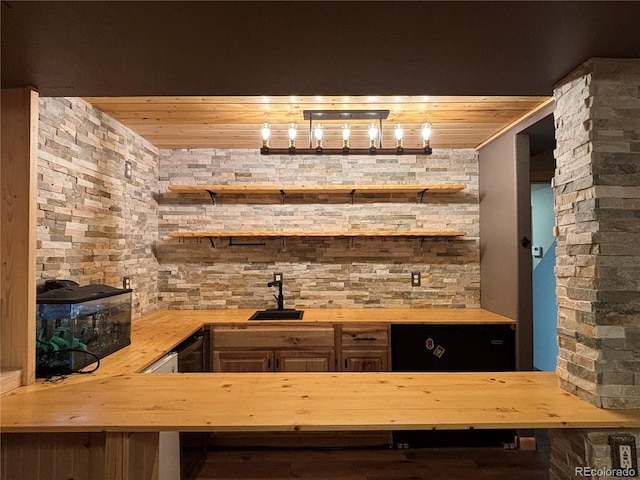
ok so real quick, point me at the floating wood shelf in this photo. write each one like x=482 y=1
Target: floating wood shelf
x=307 y=233
x=284 y=190
x=301 y=189
x=351 y=234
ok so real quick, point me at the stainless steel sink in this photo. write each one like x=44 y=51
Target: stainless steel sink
x=277 y=315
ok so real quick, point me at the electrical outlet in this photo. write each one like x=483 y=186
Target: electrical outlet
x=277 y=277
x=625 y=457
x=128 y=169
x=623 y=452
x=126 y=282
x=415 y=279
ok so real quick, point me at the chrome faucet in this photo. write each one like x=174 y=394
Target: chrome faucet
x=279 y=297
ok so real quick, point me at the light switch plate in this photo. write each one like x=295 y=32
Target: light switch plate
x=128 y=169
x=536 y=251
x=277 y=277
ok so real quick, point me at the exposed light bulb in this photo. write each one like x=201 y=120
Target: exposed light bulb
x=426 y=133
x=317 y=133
x=399 y=134
x=293 y=132
x=346 y=134
x=373 y=135
x=266 y=132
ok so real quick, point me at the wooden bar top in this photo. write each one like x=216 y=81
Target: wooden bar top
x=308 y=402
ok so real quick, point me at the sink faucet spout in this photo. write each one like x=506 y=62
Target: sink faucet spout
x=280 y=297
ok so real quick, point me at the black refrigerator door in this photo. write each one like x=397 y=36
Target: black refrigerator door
x=452 y=348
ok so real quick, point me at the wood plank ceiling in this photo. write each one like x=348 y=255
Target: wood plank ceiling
x=235 y=122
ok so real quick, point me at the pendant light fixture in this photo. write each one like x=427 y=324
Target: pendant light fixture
x=374 y=132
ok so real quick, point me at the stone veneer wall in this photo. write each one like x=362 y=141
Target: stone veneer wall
x=320 y=272
x=94 y=225
x=597 y=189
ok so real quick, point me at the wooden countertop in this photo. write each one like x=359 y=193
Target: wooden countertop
x=337 y=315
x=308 y=402
x=117 y=398
x=158 y=332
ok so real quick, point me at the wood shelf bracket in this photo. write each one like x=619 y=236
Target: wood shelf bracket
x=283 y=194
x=212 y=194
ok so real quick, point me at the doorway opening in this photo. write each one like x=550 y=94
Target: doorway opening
x=543 y=254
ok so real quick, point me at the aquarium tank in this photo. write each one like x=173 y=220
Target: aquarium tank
x=76 y=325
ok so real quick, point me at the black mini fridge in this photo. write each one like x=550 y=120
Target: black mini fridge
x=452 y=348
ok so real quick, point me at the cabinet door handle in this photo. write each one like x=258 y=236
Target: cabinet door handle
x=268 y=363
x=365 y=339
x=277 y=363
x=346 y=360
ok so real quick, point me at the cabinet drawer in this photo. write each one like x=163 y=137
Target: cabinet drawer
x=365 y=336
x=272 y=337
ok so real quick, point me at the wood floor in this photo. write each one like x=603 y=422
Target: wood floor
x=377 y=464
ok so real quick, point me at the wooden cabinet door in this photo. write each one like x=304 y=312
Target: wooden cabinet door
x=239 y=361
x=365 y=360
x=305 y=361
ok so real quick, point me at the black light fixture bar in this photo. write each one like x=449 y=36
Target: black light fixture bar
x=345 y=114
x=346 y=151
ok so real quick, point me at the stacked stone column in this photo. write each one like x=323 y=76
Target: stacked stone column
x=597 y=206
